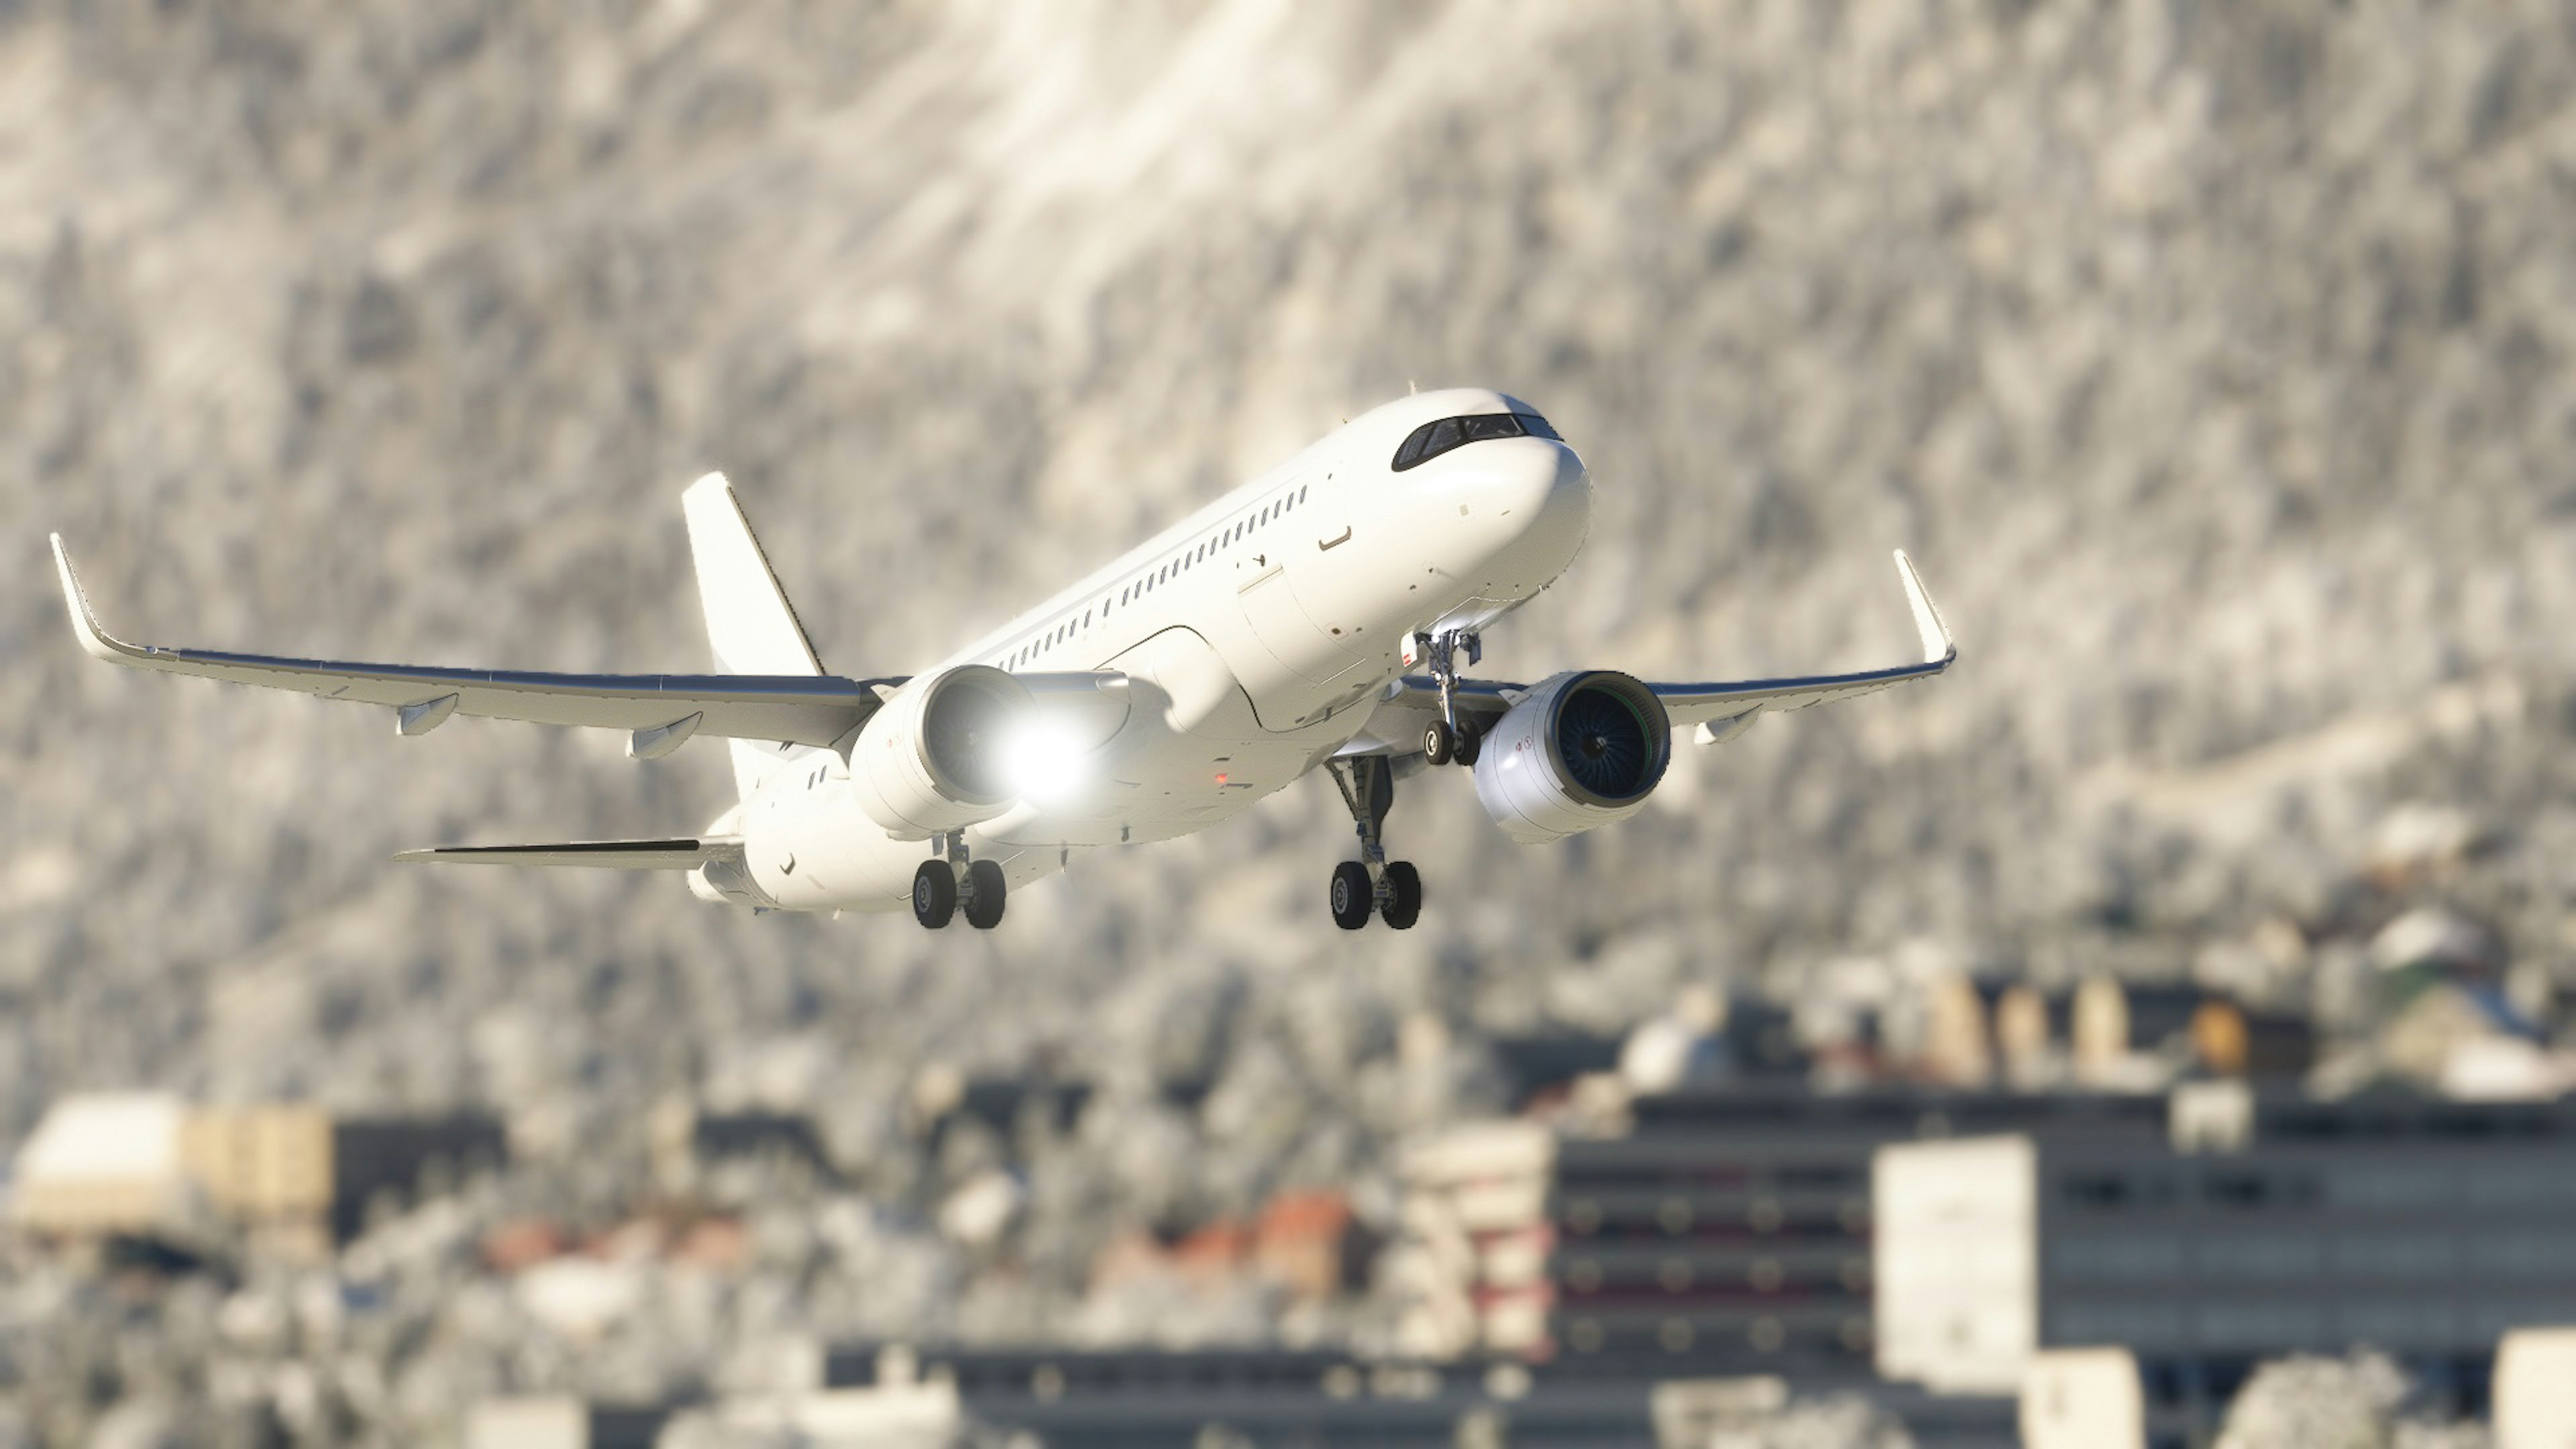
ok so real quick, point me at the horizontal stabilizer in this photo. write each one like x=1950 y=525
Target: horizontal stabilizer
x=596 y=854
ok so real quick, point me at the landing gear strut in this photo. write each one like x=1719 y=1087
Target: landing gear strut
x=1449 y=737
x=943 y=884
x=1372 y=884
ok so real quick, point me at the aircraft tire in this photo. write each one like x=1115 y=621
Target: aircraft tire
x=1439 y=744
x=1354 y=898
x=934 y=894
x=1471 y=743
x=1404 y=895
x=985 y=895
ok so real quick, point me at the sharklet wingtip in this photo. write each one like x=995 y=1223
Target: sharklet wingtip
x=94 y=640
x=1938 y=646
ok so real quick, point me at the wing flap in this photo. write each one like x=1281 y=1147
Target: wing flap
x=797 y=709
x=594 y=854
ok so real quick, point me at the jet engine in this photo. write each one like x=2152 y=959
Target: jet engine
x=1578 y=752
x=933 y=758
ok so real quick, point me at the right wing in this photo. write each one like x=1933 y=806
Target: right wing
x=660 y=710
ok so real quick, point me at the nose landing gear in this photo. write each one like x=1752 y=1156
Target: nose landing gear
x=1450 y=738
x=943 y=884
x=1372 y=884
x=1444 y=743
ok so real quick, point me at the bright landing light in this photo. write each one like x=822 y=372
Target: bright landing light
x=1044 y=763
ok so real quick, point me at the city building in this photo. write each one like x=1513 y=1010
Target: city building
x=2423 y=1228
x=295 y=1177
x=1730 y=1230
x=102 y=1164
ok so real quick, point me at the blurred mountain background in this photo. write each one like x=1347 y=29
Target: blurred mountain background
x=2212 y=361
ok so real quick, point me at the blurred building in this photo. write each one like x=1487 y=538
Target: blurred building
x=1154 y=1399
x=688 y=1144
x=2424 y=1228
x=1726 y=1230
x=562 y=1421
x=1731 y=1230
x=108 y=1163
x=295 y=1177
x=1469 y=1263
x=2133 y=1035
x=393 y=1159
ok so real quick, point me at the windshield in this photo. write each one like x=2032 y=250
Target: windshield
x=1433 y=439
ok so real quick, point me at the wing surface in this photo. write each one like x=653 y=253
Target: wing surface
x=662 y=710
x=1720 y=709
x=596 y=854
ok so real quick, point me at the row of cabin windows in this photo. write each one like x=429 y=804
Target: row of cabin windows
x=1216 y=543
x=1433 y=439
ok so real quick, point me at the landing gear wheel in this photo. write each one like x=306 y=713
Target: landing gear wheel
x=934 y=894
x=1471 y=743
x=1353 y=896
x=1439 y=742
x=985 y=892
x=1403 y=895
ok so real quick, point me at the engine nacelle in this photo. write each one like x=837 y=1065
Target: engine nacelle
x=1582 y=750
x=933 y=758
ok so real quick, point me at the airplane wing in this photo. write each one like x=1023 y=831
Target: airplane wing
x=1721 y=710
x=597 y=854
x=1724 y=710
x=662 y=711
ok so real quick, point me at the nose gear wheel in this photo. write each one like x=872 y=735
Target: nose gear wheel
x=1450 y=739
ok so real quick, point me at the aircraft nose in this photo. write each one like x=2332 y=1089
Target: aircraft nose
x=1550 y=492
x=1570 y=491
x=1541 y=477
x=1531 y=510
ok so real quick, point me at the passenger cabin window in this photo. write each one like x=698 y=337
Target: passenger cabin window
x=1433 y=439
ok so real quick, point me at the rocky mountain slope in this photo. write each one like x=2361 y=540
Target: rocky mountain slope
x=2211 y=360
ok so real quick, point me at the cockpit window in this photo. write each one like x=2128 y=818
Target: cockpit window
x=1433 y=439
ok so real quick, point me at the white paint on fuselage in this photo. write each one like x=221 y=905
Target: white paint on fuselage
x=1257 y=636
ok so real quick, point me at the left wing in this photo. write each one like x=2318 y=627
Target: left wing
x=662 y=711
x=1721 y=710
x=686 y=854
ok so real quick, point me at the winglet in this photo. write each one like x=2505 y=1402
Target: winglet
x=95 y=640
x=1938 y=648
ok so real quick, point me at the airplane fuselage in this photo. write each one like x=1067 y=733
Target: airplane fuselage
x=1256 y=639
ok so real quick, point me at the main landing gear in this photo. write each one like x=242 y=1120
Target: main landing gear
x=951 y=880
x=1372 y=884
x=1450 y=738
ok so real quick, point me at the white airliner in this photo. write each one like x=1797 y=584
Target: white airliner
x=1273 y=632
